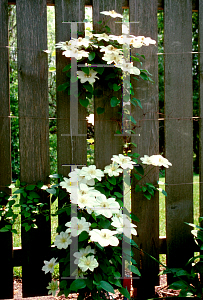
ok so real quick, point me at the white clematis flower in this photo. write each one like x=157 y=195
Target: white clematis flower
x=52 y=287
x=110 y=49
x=102 y=36
x=68 y=185
x=106 y=207
x=49 y=265
x=104 y=237
x=83 y=201
x=74 y=52
x=155 y=160
x=111 y=13
x=159 y=160
x=86 y=263
x=76 y=226
x=146 y=160
x=91 y=77
x=124 y=161
x=123 y=224
x=128 y=67
x=92 y=173
x=83 y=252
x=75 y=176
x=113 y=57
x=62 y=240
x=113 y=170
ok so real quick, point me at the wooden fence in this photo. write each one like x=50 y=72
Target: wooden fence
x=34 y=128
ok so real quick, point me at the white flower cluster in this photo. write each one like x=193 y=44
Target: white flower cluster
x=155 y=160
x=80 y=187
x=77 y=48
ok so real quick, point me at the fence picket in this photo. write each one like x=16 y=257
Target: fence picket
x=33 y=133
x=147 y=127
x=178 y=130
x=106 y=125
x=201 y=104
x=6 y=276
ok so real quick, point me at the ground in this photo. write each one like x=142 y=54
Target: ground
x=161 y=291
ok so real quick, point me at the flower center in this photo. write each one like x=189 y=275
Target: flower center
x=63 y=240
x=51 y=265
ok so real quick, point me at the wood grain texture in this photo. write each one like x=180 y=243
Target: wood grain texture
x=201 y=103
x=145 y=13
x=70 y=150
x=106 y=125
x=6 y=277
x=178 y=130
x=125 y=3
x=33 y=132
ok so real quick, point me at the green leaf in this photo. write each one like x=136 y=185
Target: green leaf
x=77 y=284
x=30 y=187
x=164 y=193
x=131 y=119
x=100 y=110
x=114 y=101
x=137 y=101
x=34 y=195
x=84 y=102
x=63 y=86
x=88 y=87
x=107 y=286
x=52 y=69
x=134 y=270
x=148 y=196
x=4 y=229
x=108 y=29
x=117 y=194
x=139 y=169
x=91 y=56
x=99 y=70
x=83 y=236
x=27 y=227
x=134 y=217
x=112 y=180
x=104 y=224
x=115 y=281
x=135 y=58
x=124 y=292
x=56 y=176
x=116 y=87
x=138 y=188
x=109 y=76
x=51 y=191
x=138 y=177
x=178 y=285
x=86 y=70
x=19 y=191
x=67 y=68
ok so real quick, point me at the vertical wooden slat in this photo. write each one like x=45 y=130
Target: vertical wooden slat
x=145 y=13
x=106 y=125
x=33 y=133
x=6 y=277
x=201 y=103
x=70 y=150
x=178 y=129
